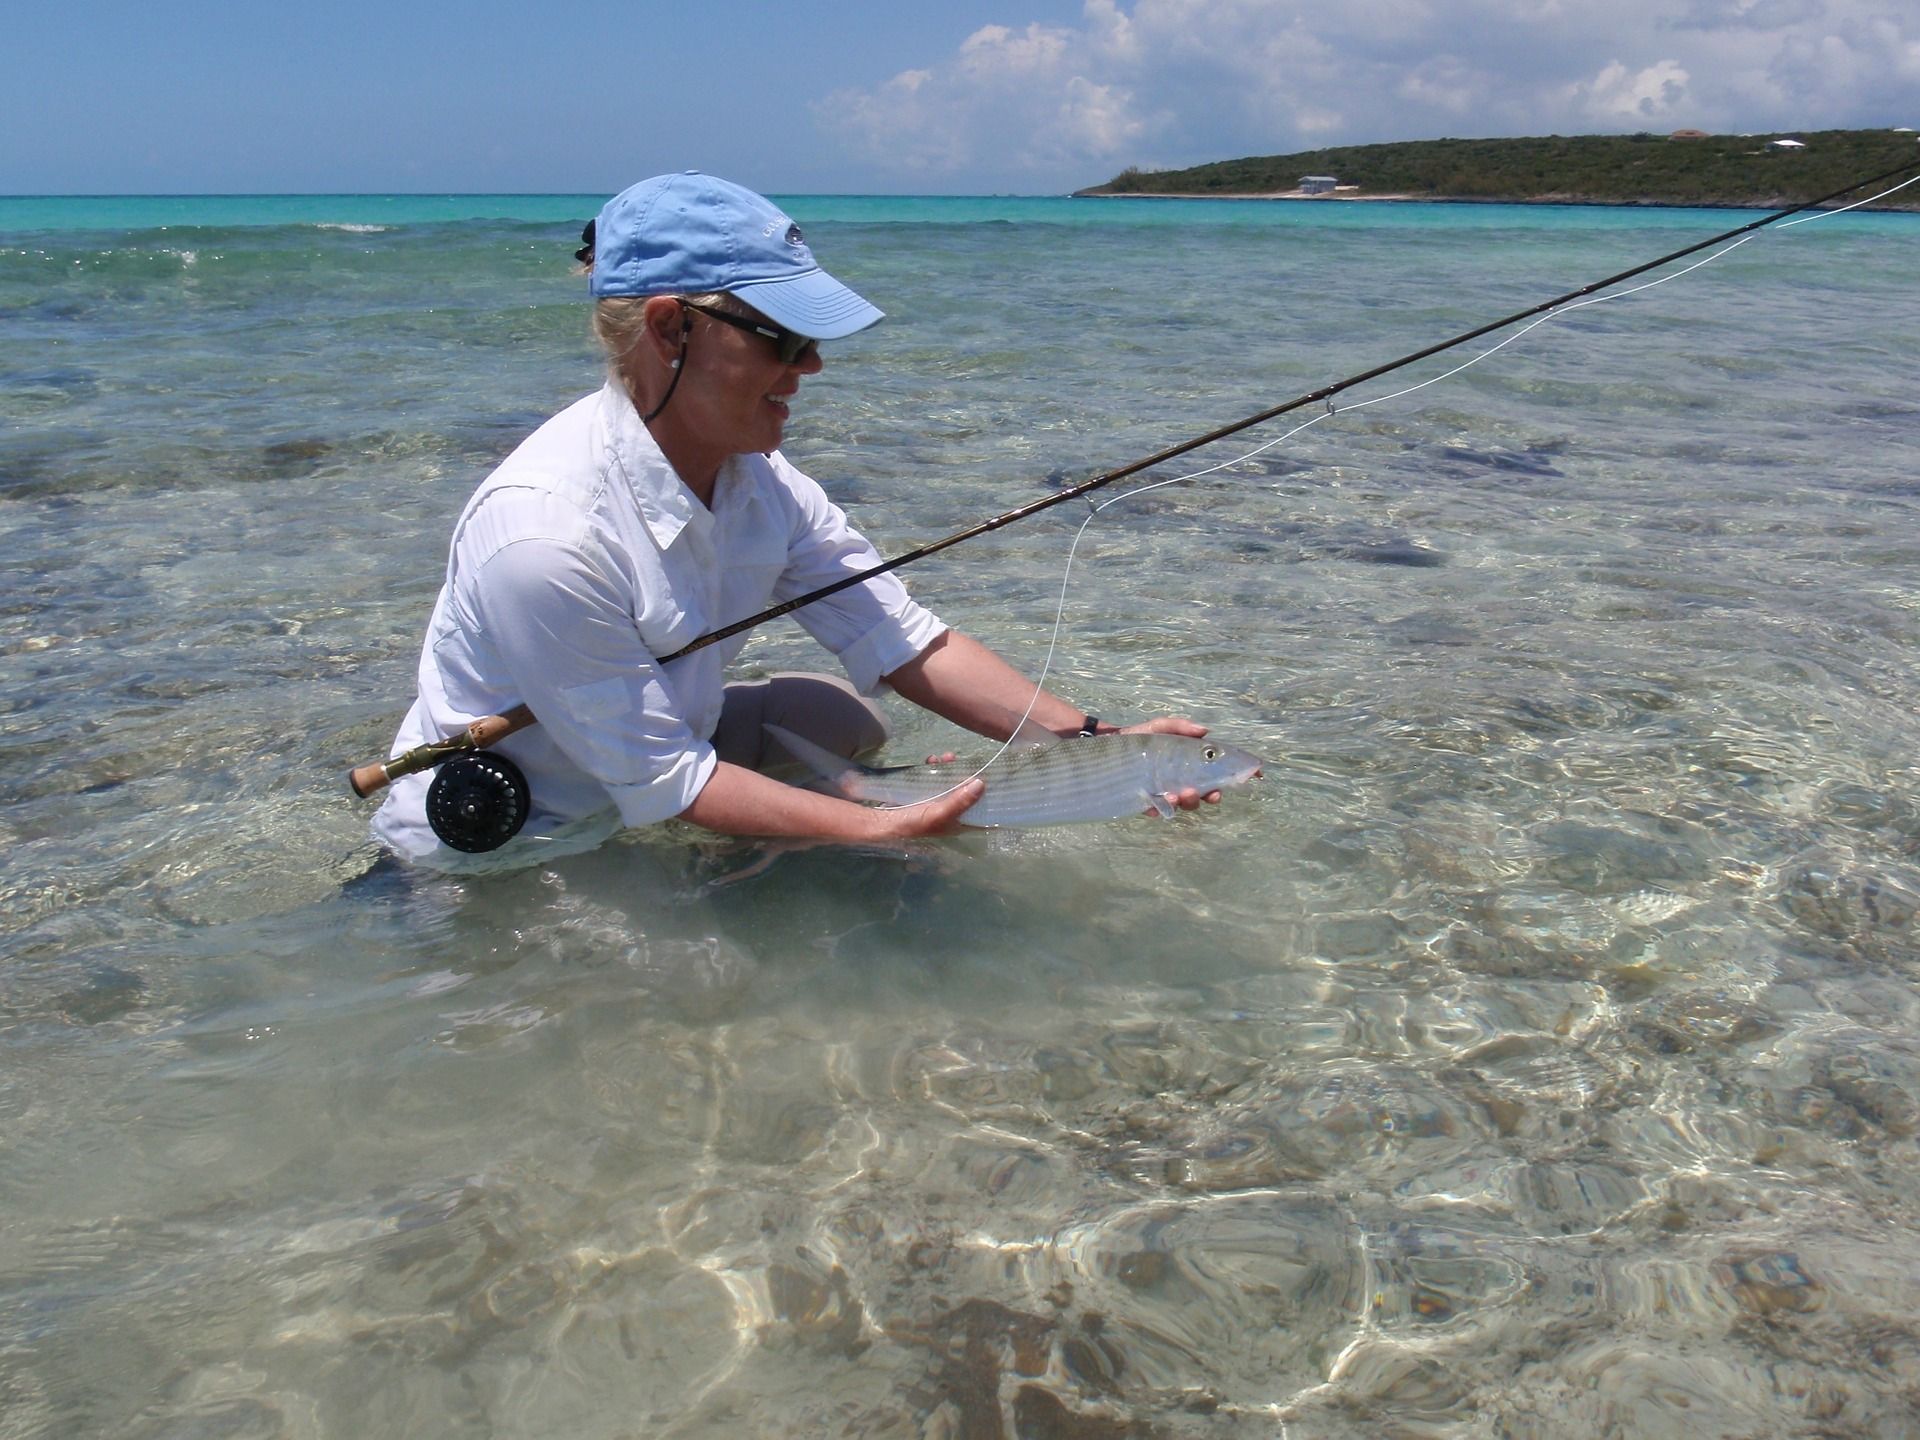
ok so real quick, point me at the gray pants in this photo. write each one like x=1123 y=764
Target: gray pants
x=823 y=708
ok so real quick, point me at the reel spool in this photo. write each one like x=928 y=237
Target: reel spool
x=478 y=802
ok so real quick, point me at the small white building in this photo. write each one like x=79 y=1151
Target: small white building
x=1786 y=144
x=1318 y=184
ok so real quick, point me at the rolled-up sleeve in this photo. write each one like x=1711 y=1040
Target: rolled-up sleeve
x=873 y=628
x=565 y=635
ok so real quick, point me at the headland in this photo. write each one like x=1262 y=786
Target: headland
x=1686 y=167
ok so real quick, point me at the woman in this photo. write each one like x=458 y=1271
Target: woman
x=660 y=509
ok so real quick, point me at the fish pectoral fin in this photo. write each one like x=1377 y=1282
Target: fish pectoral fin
x=1160 y=805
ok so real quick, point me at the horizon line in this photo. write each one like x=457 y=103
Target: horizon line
x=509 y=194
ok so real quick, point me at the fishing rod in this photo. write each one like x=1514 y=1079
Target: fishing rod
x=1326 y=392
x=487 y=799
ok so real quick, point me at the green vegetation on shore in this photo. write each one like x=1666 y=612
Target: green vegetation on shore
x=1565 y=169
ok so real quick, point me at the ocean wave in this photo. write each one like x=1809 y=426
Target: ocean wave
x=352 y=228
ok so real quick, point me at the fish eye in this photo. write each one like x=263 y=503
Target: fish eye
x=1212 y=752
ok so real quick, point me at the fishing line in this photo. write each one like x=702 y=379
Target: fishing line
x=1560 y=310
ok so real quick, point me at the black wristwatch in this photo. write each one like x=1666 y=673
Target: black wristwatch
x=1090 y=725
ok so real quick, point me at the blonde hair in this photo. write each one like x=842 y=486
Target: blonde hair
x=620 y=320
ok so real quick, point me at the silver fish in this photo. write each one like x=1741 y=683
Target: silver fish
x=1095 y=777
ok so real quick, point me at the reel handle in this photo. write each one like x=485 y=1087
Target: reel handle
x=488 y=730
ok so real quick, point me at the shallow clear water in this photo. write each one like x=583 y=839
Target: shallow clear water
x=1535 y=1052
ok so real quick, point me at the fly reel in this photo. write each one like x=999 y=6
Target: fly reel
x=477 y=802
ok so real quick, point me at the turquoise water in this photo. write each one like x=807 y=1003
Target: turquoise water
x=68 y=213
x=1534 y=1052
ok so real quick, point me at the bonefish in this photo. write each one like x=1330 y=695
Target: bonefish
x=1094 y=777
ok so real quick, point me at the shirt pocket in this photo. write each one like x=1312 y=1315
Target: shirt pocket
x=750 y=571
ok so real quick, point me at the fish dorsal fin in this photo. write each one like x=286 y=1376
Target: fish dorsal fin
x=838 y=771
x=1031 y=738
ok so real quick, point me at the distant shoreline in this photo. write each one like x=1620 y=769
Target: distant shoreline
x=1686 y=169
x=1901 y=206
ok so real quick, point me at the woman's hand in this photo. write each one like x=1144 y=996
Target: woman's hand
x=1167 y=725
x=941 y=815
x=1188 y=799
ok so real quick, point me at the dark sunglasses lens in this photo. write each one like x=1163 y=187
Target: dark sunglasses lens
x=792 y=347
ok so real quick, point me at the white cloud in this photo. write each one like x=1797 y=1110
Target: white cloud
x=1095 y=120
x=1446 y=85
x=1175 y=82
x=1748 y=14
x=1618 y=96
x=995 y=54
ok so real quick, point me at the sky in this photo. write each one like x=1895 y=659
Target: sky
x=861 y=97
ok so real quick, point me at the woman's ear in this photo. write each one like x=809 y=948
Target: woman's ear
x=667 y=324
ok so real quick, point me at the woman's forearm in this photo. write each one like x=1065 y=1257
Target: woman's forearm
x=961 y=680
x=738 y=801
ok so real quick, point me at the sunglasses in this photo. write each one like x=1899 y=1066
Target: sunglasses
x=790 y=347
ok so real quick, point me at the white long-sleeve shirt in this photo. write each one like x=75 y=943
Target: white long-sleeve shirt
x=577 y=563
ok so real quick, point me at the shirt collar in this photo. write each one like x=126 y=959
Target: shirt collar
x=666 y=505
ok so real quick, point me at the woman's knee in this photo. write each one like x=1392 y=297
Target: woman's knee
x=827 y=710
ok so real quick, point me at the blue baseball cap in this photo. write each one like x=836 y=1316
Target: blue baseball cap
x=691 y=234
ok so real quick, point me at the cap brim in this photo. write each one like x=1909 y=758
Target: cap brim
x=814 y=304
